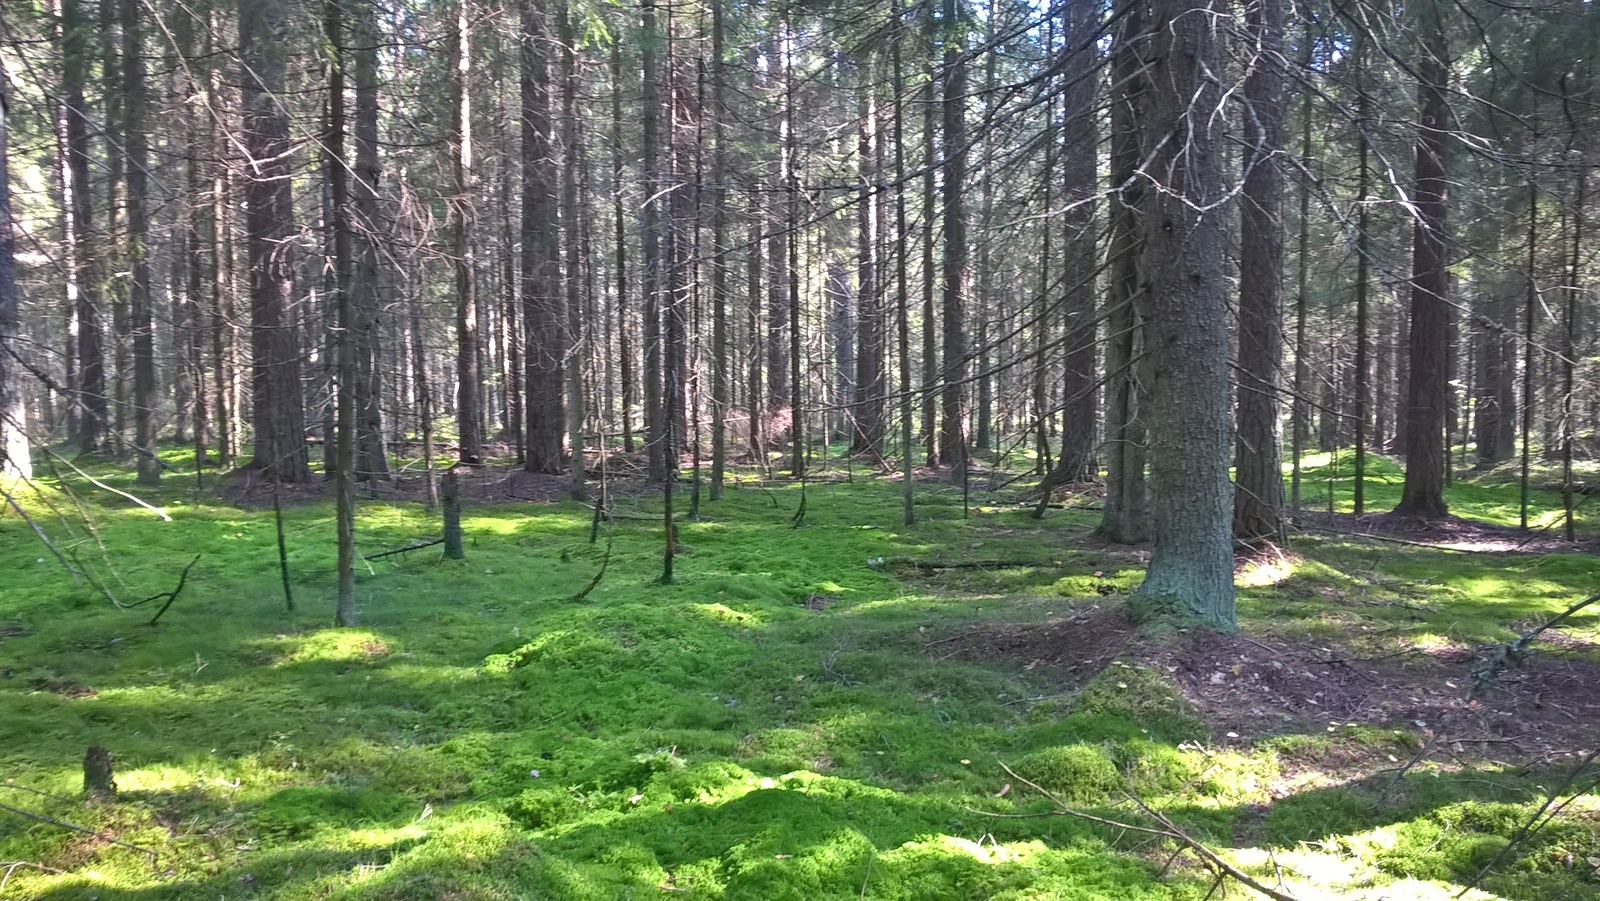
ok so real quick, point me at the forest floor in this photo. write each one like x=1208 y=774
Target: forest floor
x=826 y=705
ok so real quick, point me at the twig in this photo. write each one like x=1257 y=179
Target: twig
x=414 y=546
x=1215 y=859
x=75 y=828
x=611 y=537
x=1406 y=768
x=1514 y=652
x=11 y=867
x=77 y=575
x=283 y=551
x=117 y=491
x=1528 y=827
x=173 y=594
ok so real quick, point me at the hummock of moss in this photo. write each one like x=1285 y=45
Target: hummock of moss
x=730 y=736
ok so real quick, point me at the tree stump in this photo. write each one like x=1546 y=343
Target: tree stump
x=97 y=773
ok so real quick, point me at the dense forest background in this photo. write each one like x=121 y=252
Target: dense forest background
x=1167 y=236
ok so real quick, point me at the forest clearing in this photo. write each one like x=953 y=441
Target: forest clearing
x=844 y=707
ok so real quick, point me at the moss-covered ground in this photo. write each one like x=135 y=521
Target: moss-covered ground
x=787 y=719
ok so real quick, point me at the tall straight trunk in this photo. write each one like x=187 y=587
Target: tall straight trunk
x=116 y=294
x=14 y=455
x=1423 y=492
x=842 y=332
x=83 y=252
x=190 y=265
x=1125 y=515
x=1495 y=412
x=1358 y=475
x=1190 y=576
x=620 y=239
x=930 y=275
x=1258 y=454
x=953 y=301
x=678 y=256
x=901 y=294
x=755 y=397
x=372 y=452
x=136 y=145
x=778 y=276
x=1569 y=355
x=720 y=375
x=869 y=377
x=1079 y=188
x=469 y=412
x=344 y=457
x=279 y=415
x=791 y=190
x=572 y=216
x=986 y=301
x=542 y=303
x=652 y=251
x=1529 y=303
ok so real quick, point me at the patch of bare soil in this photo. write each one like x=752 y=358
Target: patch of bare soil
x=1249 y=689
x=1068 y=650
x=1450 y=533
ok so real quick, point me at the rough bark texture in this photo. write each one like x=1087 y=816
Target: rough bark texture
x=1184 y=297
x=14 y=459
x=83 y=254
x=1423 y=492
x=1125 y=515
x=542 y=305
x=1258 y=494
x=372 y=453
x=469 y=412
x=1079 y=183
x=279 y=416
x=344 y=456
x=870 y=377
x=136 y=144
x=953 y=301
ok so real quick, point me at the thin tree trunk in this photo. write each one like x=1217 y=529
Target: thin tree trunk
x=136 y=145
x=469 y=413
x=344 y=468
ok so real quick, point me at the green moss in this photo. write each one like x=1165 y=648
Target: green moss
x=481 y=735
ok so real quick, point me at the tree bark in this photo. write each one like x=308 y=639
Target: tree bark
x=1258 y=494
x=542 y=307
x=14 y=455
x=1190 y=576
x=1423 y=492
x=279 y=416
x=136 y=145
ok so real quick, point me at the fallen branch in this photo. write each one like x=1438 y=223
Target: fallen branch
x=170 y=595
x=76 y=828
x=77 y=575
x=104 y=487
x=1166 y=829
x=414 y=546
x=1513 y=653
x=12 y=865
x=1533 y=824
x=971 y=564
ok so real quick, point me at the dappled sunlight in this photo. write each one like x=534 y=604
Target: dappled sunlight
x=721 y=613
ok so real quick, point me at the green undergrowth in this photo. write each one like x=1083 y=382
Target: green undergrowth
x=784 y=720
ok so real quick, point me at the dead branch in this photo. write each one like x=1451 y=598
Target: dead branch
x=1166 y=829
x=104 y=487
x=1533 y=824
x=1513 y=653
x=76 y=828
x=77 y=575
x=414 y=546
x=170 y=595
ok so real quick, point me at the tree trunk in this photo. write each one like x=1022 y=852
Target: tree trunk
x=83 y=253
x=344 y=456
x=14 y=458
x=1079 y=189
x=1190 y=576
x=1423 y=492
x=136 y=145
x=1125 y=516
x=279 y=417
x=372 y=452
x=542 y=307
x=953 y=301
x=572 y=217
x=1258 y=454
x=469 y=414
